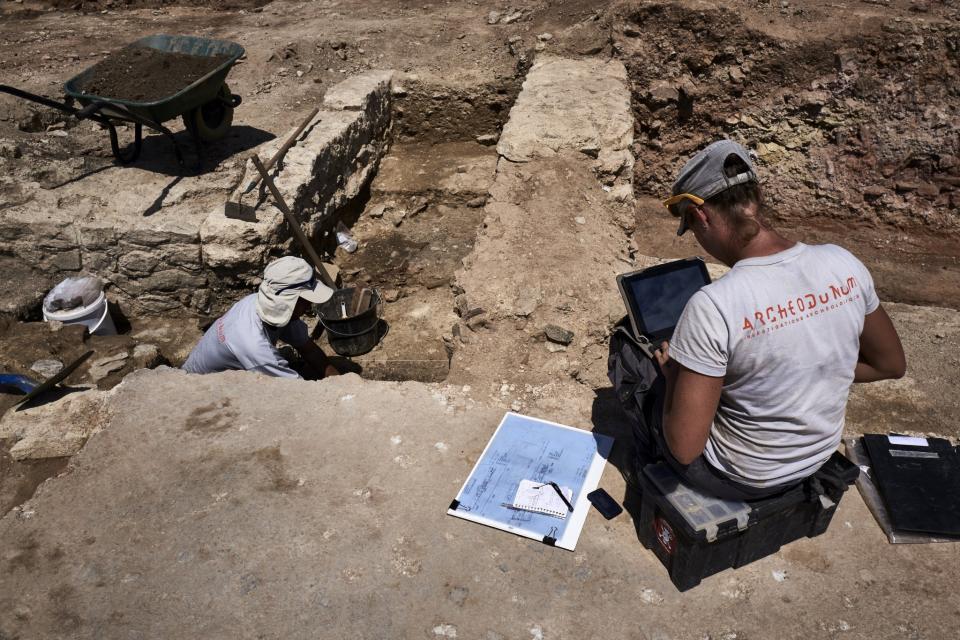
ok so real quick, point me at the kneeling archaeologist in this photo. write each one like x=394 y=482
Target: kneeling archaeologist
x=753 y=388
x=246 y=336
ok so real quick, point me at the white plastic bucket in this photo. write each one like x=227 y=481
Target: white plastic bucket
x=96 y=316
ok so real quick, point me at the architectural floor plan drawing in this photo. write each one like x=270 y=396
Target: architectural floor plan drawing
x=525 y=448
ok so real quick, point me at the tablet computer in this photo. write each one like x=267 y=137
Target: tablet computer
x=655 y=297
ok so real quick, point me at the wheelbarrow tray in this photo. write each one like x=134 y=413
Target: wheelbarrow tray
x=187 y=99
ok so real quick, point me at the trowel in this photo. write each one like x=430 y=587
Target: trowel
x=32 y=389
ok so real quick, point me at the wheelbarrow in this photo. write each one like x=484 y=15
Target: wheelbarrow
x=206 y=105
x=31 y=389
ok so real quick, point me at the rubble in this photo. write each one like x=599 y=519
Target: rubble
x=56 y=428
x=557 y=334
x=102 y=367
x=335 y=158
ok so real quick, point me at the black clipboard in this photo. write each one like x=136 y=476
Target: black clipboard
x=919 y=479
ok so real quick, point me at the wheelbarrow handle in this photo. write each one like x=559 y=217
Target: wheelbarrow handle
x=32 y=97
x=94 y=111
x=89 y=110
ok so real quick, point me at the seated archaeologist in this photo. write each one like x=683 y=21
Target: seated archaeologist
x=246 y=336
x=754 y=384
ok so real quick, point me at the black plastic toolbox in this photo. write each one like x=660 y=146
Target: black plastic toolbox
x=695 y=535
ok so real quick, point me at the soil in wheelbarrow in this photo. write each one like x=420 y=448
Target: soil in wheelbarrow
x=143 y=74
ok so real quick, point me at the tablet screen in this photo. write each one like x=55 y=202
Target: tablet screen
x=661 y=297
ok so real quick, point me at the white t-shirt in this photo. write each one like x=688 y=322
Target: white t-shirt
x=784 y=333
x=240 y=340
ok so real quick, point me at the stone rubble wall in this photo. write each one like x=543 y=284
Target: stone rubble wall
x=575 y=106
x=149 y=259
x=155 y=270
x=163 y=243
x=334 y=158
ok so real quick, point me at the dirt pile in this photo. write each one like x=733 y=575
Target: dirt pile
x=859 y=126
x=145 y=74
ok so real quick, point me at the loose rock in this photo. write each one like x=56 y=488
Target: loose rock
x=477 y=321
x=102 y=367
x=557 y=334
x=147 y=356
x=10 y=150
x=47 y=368
x=418 y=205
x=663 y=93
x=395 y=216
x=928 y=190
x=391 y=295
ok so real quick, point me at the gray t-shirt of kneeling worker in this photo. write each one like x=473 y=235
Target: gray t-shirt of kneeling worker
x=240 y=340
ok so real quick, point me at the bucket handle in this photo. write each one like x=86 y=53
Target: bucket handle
x=376 y=319
x=341 y=334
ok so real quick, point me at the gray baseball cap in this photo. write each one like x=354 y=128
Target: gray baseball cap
x=702 y=177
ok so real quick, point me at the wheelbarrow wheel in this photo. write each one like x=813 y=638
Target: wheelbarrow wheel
x=212 y=121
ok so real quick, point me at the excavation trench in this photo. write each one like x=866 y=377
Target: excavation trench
x=832 y=119
x=415 y=218
x=418 y=223
x=418 y=220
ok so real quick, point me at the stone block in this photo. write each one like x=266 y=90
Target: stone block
x=138 y=263
x=68 y=260
x=327 y=167
x=23 y=286
x=357 y=93
x=55 y=429
x=227 y=243
x=569 y=105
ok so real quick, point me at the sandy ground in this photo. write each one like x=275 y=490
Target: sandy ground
x=853 y=110
x=207 y=510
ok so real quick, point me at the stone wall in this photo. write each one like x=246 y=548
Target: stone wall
x=335 y=157
x=163 y=242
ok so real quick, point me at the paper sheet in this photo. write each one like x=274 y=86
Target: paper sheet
x=542 y=498
x=525 y=448
x=909 y=441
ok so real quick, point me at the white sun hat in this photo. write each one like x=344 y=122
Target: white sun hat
x=285 y=281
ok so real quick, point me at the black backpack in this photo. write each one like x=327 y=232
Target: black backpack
x=632 y=373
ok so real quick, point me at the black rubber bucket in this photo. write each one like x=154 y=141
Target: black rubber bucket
x=351 y=332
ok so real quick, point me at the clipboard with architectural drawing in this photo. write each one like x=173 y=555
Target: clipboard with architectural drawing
x=517 y=483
